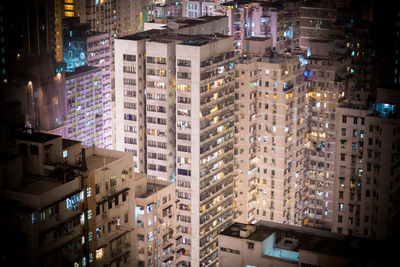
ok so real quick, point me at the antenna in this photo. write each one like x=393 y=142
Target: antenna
x=104 y=164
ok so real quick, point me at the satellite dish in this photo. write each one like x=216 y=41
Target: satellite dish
x=173 y=25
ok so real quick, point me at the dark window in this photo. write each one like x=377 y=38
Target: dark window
x=23 y=149
x=97 y=210
x=34 y=149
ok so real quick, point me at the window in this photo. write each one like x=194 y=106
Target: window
x=98 y=232
x=183 y=75
x=354 y=146
x=129 y=57
x=99 y=253
x=34 y=149
x=183 y=62
x=250 y=245
x=344 y=119
x=343 y=144
x=341 y=206
x=341 y=181
x=89 y=192
x=129 y=81
x=65 y=154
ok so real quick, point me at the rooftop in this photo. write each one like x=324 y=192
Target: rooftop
x=153 y=188
x=97 y=161
x=308 y=239
x=38 y=185
x=142 y=35
x=165 y=36
x=68 y=143
x=81 y=70
x=36 y=137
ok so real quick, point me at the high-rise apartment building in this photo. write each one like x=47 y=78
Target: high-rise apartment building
x=119 y=18
x=99 y=55
x=70 y=204
x=318 y=18
x=129 y=96
x=42 y=225
x=111 y=218
x=366 y=179
x=155 y=217
x=44 y=25
x=327 y=71
x=160 y=114
x=271 y=130
x=62 y=9
x=279 y=21
x=184 y=75
x=205 y=86
x=86 y=110
x=151 y=118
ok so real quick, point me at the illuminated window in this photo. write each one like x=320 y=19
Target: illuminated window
x=89 y=192
x=69 y=14
x=99 y=253
x=90 y=257
x=341 y=206
x=69 y=7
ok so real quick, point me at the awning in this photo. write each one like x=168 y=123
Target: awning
x=167 y=207
x=168 y=259
x=102 y=246
x=180 y=250
x=167 y=246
